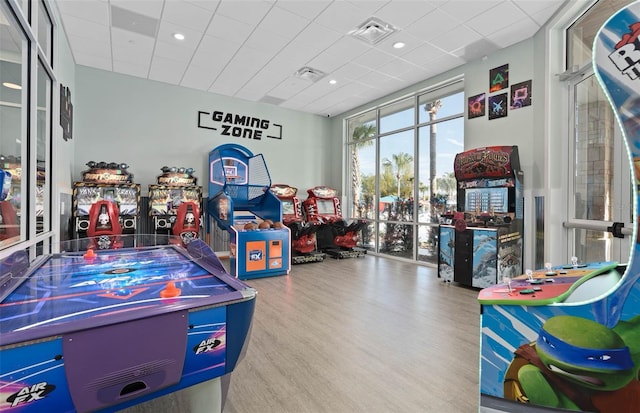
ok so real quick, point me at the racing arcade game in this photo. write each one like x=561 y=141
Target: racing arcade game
x=483 y=243
x=240 y=202
x=175 y=204
x=334 y=237
x=303 y=234
x=106 y=182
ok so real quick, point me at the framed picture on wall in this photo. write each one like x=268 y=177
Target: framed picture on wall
x=476 y=106
x=498 y=106
x=66 y=113
x=498 y=78
x=520 y=95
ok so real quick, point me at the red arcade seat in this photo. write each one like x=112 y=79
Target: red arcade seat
x=104 y=226
x=187 y=225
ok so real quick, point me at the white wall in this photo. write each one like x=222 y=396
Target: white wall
x=149 y=124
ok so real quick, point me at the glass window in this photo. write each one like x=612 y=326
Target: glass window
x=397 y=116
x=581 y=34
x=13 y=137
x=43 y=135
x=403 y=211
x=45 y=31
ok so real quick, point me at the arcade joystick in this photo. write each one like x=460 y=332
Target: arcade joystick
x=90 y=254
x=170 y=290
x=549 y=272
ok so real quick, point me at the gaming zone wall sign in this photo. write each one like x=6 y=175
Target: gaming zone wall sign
x=239 y=126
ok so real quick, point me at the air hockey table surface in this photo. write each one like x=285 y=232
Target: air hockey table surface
x=89 y=332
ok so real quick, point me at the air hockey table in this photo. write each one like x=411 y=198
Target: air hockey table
x=105 y=330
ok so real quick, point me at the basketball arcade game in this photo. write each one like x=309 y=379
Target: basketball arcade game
x=483 y=243
x=568 y=338
x=335 y=237
x=241 y=203
x=106 y=182
x=304 y=246
x=175 y=202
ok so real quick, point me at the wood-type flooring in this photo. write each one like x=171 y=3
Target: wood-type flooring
x=355 y=335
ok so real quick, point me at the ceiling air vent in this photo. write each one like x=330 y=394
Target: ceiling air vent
x=373 y=30
x=310 y=74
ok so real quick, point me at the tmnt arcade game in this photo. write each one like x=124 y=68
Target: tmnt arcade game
x=485 y=243
x=109 y=182
x=303 y=234
x=568 y=339
x=240 y=202
x=175 y=203
x=335 y=237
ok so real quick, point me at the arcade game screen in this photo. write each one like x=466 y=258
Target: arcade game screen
x=326 y=207
x=486 y=199
x=287 y=207
x=163 y=201
x=125 y=197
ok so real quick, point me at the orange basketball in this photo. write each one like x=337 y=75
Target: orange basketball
x=250 y=226
x=264 y=225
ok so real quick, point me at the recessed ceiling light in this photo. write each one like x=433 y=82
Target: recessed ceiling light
x=12 y=85
x=333 y=81
x=398 y=45
x=178 y=36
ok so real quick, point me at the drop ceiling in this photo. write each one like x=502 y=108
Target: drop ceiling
x=285 y=52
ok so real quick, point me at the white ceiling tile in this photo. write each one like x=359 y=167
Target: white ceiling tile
x=432 y=25
x=266 y=41
x=247 y=11
x=130 y=46
x=509 y=35
x=146 y=7
x=167 y=70
x=397 y=68
x=498 y=18
x=532 y=7
x=402 y=13
x=82 y=45
x=167 y=30
x=198 y=77
x=210 y=5
x=309 y=9
x=229 y=29
x=540 y=17
x=173 y=51
x=98 y=62
x=183 y=13
x=464 y=10
x=372 y=59
x=289 y=87
x=370 y=7
x=283 y=22
x=93 y=32
x=455 y=39
x=96 y=11
x=342 y=17
x=423 y=54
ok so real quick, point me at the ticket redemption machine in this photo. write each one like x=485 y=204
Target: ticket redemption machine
x=175 y=204
x=9 y=227
x=483 y=243
x=241 y=203
x=106 y=182
x=567 y=338
x=304 y=246
x=335 y=236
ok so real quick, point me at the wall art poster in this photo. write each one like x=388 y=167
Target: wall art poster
x=499 y=78
x=520 y=95
x=476 y=106
x=66 y=113
x=498 y=106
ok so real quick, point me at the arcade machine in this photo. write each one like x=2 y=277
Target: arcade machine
x=176 y=187
x=109 y=182
x=334 y=236
x=13 y=165
x=483 y=241
x=567 y=338
x=303 y=234
x=240 y=202
x=9 y=227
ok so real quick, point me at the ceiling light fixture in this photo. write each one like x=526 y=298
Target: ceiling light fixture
x=12 y=85
x=398 y=45
x=178 y=36
x=333 y=81
x=373 y=30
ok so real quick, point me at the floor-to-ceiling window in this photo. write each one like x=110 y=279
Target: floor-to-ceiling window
x=26 y=124
x=599 y=177
x=400 y=167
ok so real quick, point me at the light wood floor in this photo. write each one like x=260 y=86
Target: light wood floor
x=356 y=335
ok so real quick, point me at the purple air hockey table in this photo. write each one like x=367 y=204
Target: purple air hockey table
x=101 y=332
